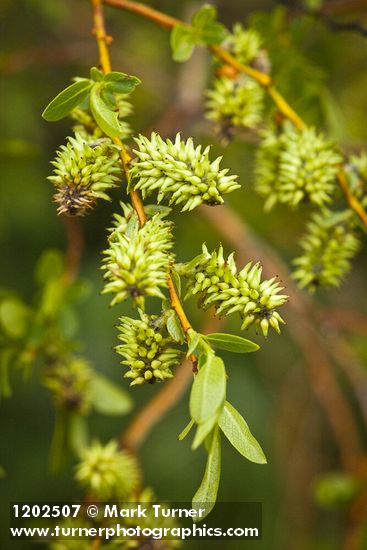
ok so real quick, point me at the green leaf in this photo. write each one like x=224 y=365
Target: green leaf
x=214 y=33
x=108 y=398
x=106 y=119
x=50 y=265
x=78 y=433
x=208 y=30
x=96 y=75
x=108 y=97
x=238 y=434
x=52 y=299
x=205 y=15
x=231 y=342
x=59 y=443
x=67 y=100
x=182 y=43
x=203 y=430
x=14 y=317
x=152 y=209
x=186 y=430
x=194 y=340
x=208 y=390
x=121 y=83
x=206 y=495
x=177 y=281
x=174 y=327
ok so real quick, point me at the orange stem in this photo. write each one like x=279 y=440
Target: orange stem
x=262 y=78
x=103 y=41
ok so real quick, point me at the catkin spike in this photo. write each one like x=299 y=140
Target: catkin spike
x=296 y=166
x=146 y=349
x=328 y=248
x=107 y=471
x=181 y=173
x=138 y=259
x=218 y=283
x=235 y=103
x=83 y=173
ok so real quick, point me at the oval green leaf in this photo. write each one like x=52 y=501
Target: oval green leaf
x=231 y=342
x=182 y=43
x=106 y=119
x=108 y=398
x=121 y=83
x=174 y=327
x=67 y=100
x=208 y=390
x=236 y=430
x=204 y=16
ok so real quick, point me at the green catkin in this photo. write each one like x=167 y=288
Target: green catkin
x=244 y=44
x=69 y=383
x=146 y=349
x=138 y=259
x=296 y=166
x=218 y=283
x=328 y=248
x=107 y=472
x=84 y=173
x=179 y=172
x=150 y=521
x=235 y=102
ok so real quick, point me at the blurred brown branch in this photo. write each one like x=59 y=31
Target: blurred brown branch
x=75 y=247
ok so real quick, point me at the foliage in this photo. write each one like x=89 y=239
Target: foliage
x=295 y=165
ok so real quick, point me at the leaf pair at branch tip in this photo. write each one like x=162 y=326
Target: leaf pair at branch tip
x=203 y=30
x=100 y=90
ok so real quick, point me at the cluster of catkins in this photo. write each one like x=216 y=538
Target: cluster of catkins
x=300 y=167
x=234 y=100
x=139 y=257
x=293 y=166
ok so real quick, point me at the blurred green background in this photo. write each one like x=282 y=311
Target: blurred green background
x=43 y=45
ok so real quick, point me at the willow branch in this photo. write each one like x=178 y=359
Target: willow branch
x=103 y=41
x=302 y=328
x=262 y=78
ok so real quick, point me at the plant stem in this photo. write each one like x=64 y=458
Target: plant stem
x=263 y=79
x=74 y=249
x=103 y=41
